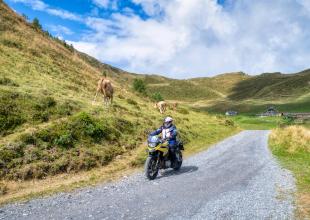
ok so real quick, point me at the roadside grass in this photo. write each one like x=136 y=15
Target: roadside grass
x=291 y=145
x=257 y=123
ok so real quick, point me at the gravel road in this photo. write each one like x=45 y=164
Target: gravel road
x=235 y=179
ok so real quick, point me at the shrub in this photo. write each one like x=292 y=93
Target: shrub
x=10 y=113
x=25 y=17
x=65 y=141
x=68 y=46
x=157 y=97
x=59 y=166
x=84 y=125
x=132 y=102
x=109 y=153
x=34 y=52
x=10 y=152
x=8 y=82
x=3 y=189
x=229 y=122
x=120 y=96
x=31 y=154
x=35 y=170
x=40 y=170
x=41 y=116
x=11 y=43
x=49 y=102
x=123 y=125
x=67 y=108
x=45 y=103
x=97 y=131
x=44 y=109
x=288 y=120
x=28 y=139
x=36 y=24
x=139 y=85
x=104 y=74
x=46 y=135
x=10 y=121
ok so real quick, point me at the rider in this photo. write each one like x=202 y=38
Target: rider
x=169 y=132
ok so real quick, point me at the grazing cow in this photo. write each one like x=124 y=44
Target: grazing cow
x=162 y=105
x=173 y=106
x=106 y=89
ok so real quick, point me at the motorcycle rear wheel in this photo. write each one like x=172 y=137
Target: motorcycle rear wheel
x=178 y=161
x=151 y=168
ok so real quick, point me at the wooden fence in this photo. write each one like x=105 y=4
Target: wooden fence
x=304 y=115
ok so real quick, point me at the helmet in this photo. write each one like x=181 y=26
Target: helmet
x=168 y=122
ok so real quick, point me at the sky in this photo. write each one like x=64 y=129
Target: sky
x=182 y=38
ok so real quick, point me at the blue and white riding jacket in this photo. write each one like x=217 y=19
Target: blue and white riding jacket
x=169 y=134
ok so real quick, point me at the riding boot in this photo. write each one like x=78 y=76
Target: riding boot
x=173 y=157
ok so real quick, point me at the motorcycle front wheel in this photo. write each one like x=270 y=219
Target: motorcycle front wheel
x=151 y=168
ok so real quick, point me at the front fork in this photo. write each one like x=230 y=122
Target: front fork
x=156 y=156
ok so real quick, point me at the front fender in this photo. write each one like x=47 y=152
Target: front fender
x=153 y=153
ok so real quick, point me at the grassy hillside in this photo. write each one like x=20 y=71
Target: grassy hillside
x=234 y=87
x=194 y=89
x=48 y=124
x=52 y=136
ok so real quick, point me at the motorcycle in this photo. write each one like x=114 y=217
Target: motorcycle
x=159 y=157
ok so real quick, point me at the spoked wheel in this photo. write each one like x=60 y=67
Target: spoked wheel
x=179 y=161
x=151 y=168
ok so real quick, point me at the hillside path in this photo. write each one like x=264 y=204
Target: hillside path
x=237 y=178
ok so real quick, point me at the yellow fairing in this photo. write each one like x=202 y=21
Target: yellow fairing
x=161 y=147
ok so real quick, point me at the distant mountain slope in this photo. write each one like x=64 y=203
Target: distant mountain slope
x=272 y=86
x=194 y=89
x=233 y=86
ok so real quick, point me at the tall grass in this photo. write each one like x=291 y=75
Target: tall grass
x=291 y=139
x=292 y=146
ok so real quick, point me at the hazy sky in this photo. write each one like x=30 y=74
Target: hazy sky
x=182 y=38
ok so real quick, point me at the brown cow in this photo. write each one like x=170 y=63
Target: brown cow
x=162 y=105
x=173 y=106
x=106 y=89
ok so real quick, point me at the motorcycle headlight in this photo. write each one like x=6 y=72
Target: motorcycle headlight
x=152 y=144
